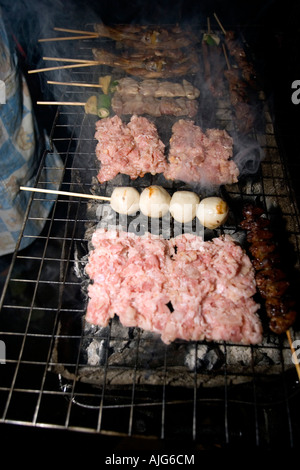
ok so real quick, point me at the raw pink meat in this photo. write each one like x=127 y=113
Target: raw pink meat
x=133 y=149
x=210 y=285
x=200 y=157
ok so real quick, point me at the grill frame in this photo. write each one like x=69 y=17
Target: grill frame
x=209 y=417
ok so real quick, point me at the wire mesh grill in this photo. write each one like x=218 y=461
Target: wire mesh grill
x=230 y=395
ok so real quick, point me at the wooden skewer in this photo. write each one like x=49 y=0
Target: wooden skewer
x=65 y=59
x=208 y=26
x=65 y=193
x=95 y=85
x=288 y=333
x=46 y=69
x=57 y=103
x=220 y=24
x=226 y=57
x=76 y=31
x=68 y=38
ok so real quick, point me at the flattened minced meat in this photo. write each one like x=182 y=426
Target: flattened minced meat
x=210 y=285
x=200 y=157
x=133 y=149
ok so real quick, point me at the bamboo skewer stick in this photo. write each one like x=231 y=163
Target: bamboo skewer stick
x=67 y=38
x=220 y=24
x=95 y=85
x=226 y=57
x=208 y=26
x=65 y=193
x=66 y=59
x=46 y=69
x=70 y=103
x=288 y=333
x=76 y=31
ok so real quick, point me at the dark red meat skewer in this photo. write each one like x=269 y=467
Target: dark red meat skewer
x=271 y=279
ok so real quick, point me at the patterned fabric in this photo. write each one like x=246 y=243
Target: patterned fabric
x=21 y=147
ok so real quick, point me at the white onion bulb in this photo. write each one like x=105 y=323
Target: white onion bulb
x=154 y=201
x=183 y=206
x=212 y=212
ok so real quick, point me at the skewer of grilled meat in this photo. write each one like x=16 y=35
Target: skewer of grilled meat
x=238 y=53
x=244 y=113
x=207 y=71
x=149 y=66
x=141 y=37
x=212 y=69
x=271 y=279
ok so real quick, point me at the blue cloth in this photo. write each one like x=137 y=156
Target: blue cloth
x=21 y=148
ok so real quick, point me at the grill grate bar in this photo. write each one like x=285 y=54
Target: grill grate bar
x=67 y=252
x=132 y=404
x=31 y=307
x=23 y=341
x=72 y=388
x=164 y=401
x=158 y=404
x=226 y=402
x=287 y=406
x=194 y=426
x=257 y=435
x=101 y=408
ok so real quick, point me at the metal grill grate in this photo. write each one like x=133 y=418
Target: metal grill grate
x=234 y=395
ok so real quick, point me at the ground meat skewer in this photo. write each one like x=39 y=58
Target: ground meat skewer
x=271 y=280
x=207 y=70
x=237 y=87
x=212 y=63
x=238 y=53
x=244 y=114
x=245 y=117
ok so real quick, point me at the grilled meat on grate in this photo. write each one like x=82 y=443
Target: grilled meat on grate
x=148 y=37
x=154 y=66
x=271 y=280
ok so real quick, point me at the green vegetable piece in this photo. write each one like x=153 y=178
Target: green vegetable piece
x=103 y=101
x=211 y=39
x=103 y=105
x=113 y=86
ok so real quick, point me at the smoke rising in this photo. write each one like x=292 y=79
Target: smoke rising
x=247 y=155
x=30 y=21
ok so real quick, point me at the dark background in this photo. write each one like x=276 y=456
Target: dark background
x=272 y=29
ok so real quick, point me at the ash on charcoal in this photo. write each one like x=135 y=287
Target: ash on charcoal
x=95 y=352
x=203 y=357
